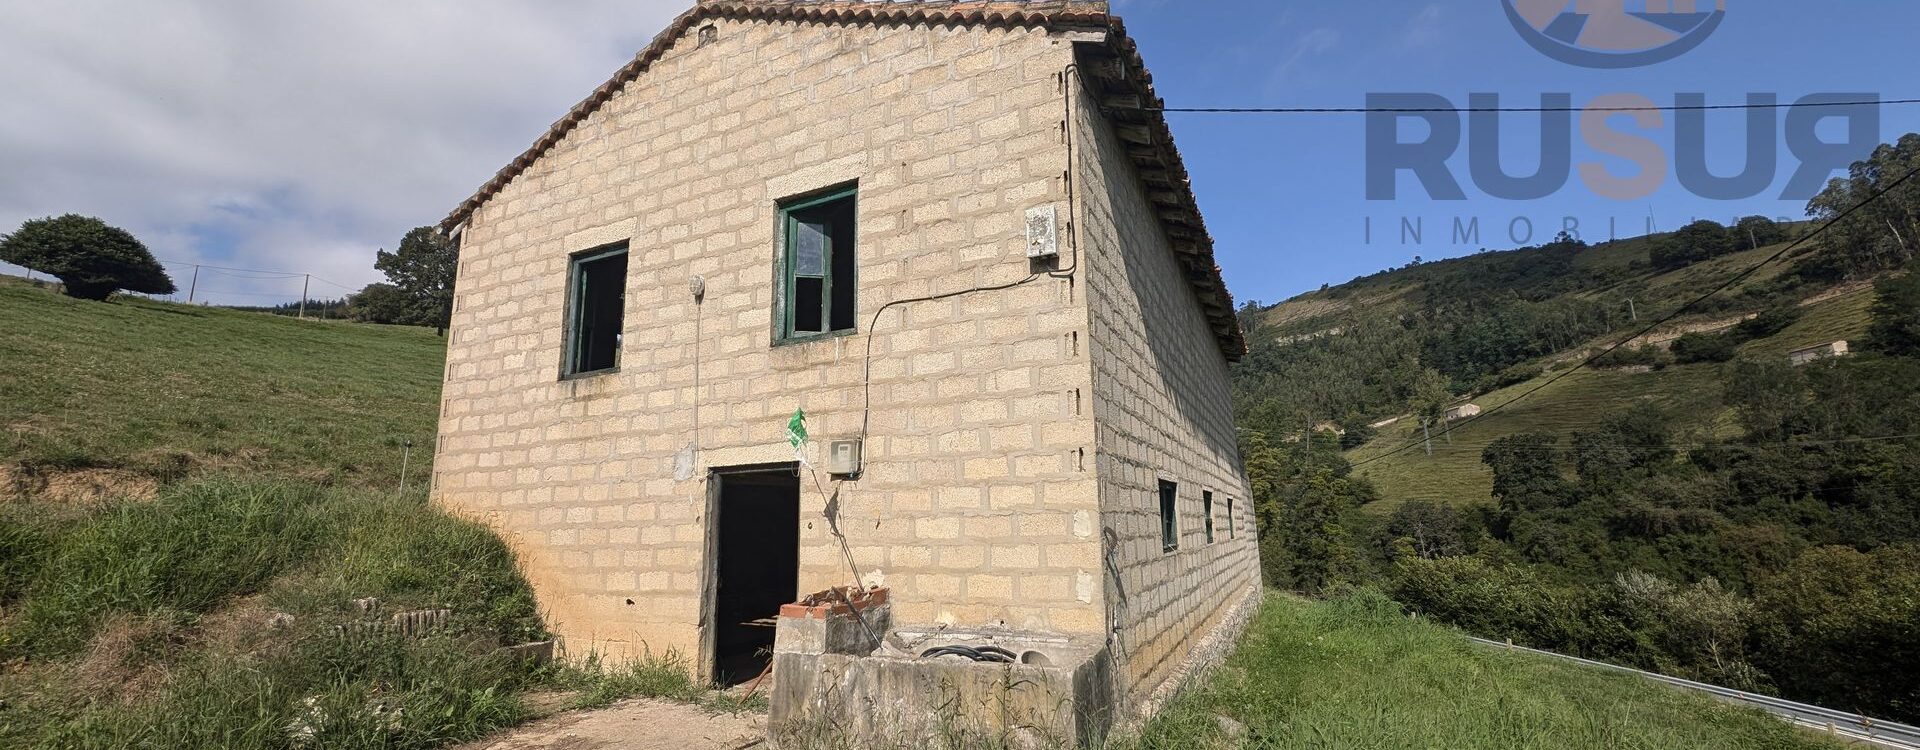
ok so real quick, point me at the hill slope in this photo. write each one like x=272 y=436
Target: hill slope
x=123 y=395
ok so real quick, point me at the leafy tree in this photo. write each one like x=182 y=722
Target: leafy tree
x=384 y=304
x=1526 y=476
x=1843 y=628
x=1429 y=402
x=423 y=270
x=1696 y=347
x=91 y=258
x=1758 y=231
x=1429 y=530
x=1896 y=316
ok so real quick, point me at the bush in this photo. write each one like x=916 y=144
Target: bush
x=1695 y=348
x=92 y=259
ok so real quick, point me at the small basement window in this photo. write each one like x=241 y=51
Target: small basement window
x=1206 y=507
x=596 y=304
x=817 y=288
x=1169 y=516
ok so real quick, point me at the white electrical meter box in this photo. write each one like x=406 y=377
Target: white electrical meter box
x=1043 y=232
x=843 y=457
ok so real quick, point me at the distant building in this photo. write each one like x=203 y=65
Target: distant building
x=1813 y=353
x=1463 y=412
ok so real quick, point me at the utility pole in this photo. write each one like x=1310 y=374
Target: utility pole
x=1632 y=311
x=1752 y=238
x=1426 y=428
x=195 y=286
x=306 y=281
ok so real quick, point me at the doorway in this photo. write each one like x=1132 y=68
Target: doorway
x=755 y=546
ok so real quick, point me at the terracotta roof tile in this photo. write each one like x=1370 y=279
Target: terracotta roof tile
x=1160 y=162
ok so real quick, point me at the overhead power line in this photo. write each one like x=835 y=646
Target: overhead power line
x=1520 y=110
x=1737 y=278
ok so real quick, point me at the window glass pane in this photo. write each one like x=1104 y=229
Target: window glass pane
x=1169 y=520
x=810 y=248
x=1206 y=507
x=599 y=305
x=806 y=304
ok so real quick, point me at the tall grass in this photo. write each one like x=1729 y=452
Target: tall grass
x=204 y=542
x=1355 y=673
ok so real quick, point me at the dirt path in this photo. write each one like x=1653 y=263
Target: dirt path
x=635 y=725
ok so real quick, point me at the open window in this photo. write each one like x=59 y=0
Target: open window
x=1232 y=532
x=1206 y=508
x=1169 y=516
x=818 y=268
x=596 y=310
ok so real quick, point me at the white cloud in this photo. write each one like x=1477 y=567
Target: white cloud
x=287 y=136
x=1425 y=29
x=1309 y=45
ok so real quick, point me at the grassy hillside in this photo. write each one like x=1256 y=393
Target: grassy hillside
x=127 y=393
x=194 y=502
x=1688 y=395
x=1356 y=673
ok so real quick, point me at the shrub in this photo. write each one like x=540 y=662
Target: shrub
x=1696 y=348
x=91 y=258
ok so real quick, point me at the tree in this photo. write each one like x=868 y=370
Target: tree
x=1429 y=402
x=423 y=270
x=91 y=258
x=1843 y=628
x=1896 y=316
x=1525 y=475
x=384 y=304
x=1758 y=231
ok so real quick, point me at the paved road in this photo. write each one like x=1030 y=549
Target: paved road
x=1841 y=724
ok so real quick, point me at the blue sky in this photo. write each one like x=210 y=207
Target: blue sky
x=303 y=137
x=1284 y=195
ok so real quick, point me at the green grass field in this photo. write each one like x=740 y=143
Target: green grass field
x=166 y=391
x=1355 y=673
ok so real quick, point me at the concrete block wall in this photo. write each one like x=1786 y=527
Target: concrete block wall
x=1162 y=410
x=979 y=504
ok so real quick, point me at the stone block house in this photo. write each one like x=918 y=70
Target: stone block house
x=959 y=238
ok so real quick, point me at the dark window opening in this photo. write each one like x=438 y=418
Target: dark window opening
x=1206 y=507
x=598 y=307
x=1232 y=532
x=819 y=285
x=757 y=568
x=1169 y=516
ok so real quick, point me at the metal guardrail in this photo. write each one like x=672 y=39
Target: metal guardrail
x=1840 y=724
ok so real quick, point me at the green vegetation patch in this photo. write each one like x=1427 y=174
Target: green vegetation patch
x=1356 y=673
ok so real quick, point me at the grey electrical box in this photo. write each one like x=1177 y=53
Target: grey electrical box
x=1043 y=232
x=843 y=457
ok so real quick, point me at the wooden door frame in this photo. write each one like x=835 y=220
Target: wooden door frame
x=710 y=562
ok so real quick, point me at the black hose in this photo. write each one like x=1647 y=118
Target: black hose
x=987 y=654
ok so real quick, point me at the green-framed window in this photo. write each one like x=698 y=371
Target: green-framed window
x=1233 y=531
x=596 y=310
x=817 y=265
x=1169 y=516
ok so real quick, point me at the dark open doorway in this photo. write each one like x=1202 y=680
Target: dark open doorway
x=756 y=549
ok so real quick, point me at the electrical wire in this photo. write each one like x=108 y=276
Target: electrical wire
x=1728 y=284
x=1520 y=110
